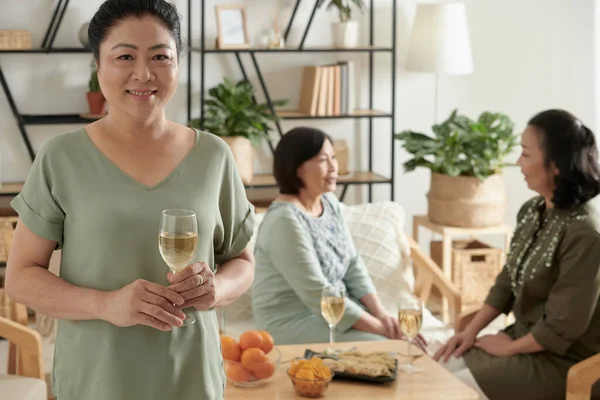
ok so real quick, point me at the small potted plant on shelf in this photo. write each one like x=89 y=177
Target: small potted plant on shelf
x=466 y=159
x=232 y=114
x=345 y=32
x=95 y=98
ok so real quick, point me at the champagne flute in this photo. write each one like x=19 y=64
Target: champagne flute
x=177 y=242
x=332 y=309
x=410 y=318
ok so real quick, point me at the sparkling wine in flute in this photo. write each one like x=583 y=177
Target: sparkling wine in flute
x=332 y=309
x=178 y=249
x=410 y=322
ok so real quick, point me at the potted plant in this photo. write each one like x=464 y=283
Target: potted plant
x=95 y=98
x=345 y=32
x=466 y=159
x=232 y=114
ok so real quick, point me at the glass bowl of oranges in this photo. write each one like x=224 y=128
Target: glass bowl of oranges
x=310 y=378
x=251 y=361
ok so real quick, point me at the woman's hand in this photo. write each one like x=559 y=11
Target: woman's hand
x=499 y=345
x=390 y=325
x=196 y=283
x=144 y=303
x=457 y=345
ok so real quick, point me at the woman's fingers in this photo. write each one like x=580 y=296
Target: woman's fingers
x=163 y=303
x=160 y=314
x=440 y=352
x=148 y=320
x=191 y=270
x=450 y=348
x=167 y=293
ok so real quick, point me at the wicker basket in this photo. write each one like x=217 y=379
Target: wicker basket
x=15 y=40
x=475 y=266
x=466 y=201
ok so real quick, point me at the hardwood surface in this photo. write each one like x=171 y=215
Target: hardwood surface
x=434 y=383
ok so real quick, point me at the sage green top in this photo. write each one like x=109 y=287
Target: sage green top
x=107 y=225
x=551 y=282
x=296 y=255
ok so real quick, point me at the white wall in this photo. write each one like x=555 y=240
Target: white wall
x=529 y=55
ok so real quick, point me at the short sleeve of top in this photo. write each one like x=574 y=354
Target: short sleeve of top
x=237 y=213
x=37 y=205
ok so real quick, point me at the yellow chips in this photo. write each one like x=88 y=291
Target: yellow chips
x=311 y=370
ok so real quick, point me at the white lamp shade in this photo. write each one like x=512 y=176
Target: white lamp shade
x=439 y=41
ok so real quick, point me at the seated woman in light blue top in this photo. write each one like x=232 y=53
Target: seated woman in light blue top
x=303 y=244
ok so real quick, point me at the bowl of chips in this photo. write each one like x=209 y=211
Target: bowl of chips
x=310 y=378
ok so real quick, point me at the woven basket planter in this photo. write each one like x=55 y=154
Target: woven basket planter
x=466 y=201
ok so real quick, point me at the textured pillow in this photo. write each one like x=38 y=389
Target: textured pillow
x=377 y=230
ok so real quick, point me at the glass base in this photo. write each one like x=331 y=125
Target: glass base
x=410 y=369
x=414 y=353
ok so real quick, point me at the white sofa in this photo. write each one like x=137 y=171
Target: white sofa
x=378 y=233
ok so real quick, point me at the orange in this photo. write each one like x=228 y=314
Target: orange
x=251 y=339
x=230 y=348
x=253 y=359
x=238 y=373
x=264 y=371
x=268 y=342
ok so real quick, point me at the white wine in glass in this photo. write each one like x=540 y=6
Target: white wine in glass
x=332 y=308
x=178 y=241
x=410 y=318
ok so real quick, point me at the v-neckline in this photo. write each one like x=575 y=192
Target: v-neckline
x=148 y=188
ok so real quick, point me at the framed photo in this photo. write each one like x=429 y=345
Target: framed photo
x=232 y=28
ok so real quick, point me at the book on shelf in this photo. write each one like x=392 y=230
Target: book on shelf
x=327 y=90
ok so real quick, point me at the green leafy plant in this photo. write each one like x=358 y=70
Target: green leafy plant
x=461 y=146
x=94 y=85
x=231 y=111
x=344 y=7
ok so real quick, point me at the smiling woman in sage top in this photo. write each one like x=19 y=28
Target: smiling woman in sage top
x=551 y=281
x=98 y=193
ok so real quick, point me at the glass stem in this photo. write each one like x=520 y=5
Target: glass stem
x=331 y=335
x=409 y=343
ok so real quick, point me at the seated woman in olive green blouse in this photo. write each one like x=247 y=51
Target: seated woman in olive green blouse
x=304 y=244
x=551 y=281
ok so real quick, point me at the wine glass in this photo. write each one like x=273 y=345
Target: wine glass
x=332 y=309
x=410 y=318
x=177 y=242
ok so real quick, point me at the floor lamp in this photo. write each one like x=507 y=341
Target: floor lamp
x=440 y=42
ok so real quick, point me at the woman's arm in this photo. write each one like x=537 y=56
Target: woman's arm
x=234 y=278
x=29 y=282
x=526 y=345
x=572 y=301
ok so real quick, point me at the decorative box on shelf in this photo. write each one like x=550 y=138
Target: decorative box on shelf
x=475 y=266
x=15 y=40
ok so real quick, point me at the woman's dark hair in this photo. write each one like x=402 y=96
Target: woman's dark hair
x=111 y=12
x=294 y=149
x=569 y=146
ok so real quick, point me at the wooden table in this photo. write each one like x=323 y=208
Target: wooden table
x=434 y=383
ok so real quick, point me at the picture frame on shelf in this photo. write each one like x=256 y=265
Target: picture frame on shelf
x=232 y=27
